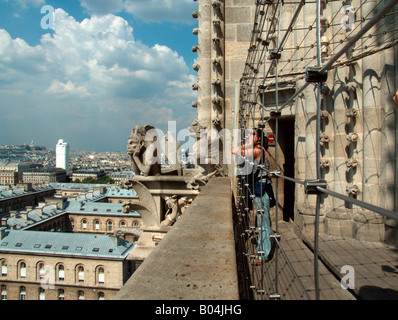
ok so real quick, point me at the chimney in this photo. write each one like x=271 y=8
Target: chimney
x=24 y=215
x=13 y=213
x=54 y=205
x=118 y=240
x=64 y=202
x=2 y=232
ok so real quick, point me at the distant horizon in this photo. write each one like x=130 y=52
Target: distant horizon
x=53 y=148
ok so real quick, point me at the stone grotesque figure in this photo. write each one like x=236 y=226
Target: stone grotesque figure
x=143 y=150
x=208 y=151
x=175 y=207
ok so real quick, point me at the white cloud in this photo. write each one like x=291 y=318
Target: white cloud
x=145 y=10
x=94 y=76
x=64 y=89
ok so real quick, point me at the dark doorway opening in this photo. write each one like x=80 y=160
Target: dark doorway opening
x=286 y=161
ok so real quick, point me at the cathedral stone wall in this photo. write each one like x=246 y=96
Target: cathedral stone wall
x=358 y=120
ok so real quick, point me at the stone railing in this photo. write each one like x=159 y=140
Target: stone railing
x=196 y=259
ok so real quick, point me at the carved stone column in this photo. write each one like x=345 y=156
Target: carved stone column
x=367 y=224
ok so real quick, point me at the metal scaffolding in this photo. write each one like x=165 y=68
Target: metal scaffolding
x=273 y=61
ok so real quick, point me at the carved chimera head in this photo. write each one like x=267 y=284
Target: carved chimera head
x=138 y=138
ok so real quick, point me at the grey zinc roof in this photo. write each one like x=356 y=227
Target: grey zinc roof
x=98 y=208
x=17 y=192
x=60 y=243
x=33 y=217
x=115 y=191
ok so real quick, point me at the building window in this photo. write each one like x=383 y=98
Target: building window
x=136 y=223
x=3 y=292
x=3 y=268
x=122 y=224
x=84 y=224
x=42 y=294
x=22 y=269
x=61 y=272
x=97 y=225
x=109 y=224
x=101 y=296
x=61 y=294
x=41 y=271
x=80 y=274
x=22 y=293
x=101 y=275
x=80 y=295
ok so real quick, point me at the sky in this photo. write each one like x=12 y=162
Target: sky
x=91 y=70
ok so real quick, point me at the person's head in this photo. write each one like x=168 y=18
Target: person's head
x=260 y=138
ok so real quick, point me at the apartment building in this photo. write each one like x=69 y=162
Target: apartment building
x=39 y=265
x=44 y=175
x=68 y=246
x=8 y=177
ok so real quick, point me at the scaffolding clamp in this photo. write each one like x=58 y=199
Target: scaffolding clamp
x=274 y=55
x=273 y=173
x=311 y=186
x=314 y=74
x=275 y=113
x=275 y=236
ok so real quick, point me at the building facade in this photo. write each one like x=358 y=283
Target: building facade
x=101 y=218
x=80 y=175
x=6 y=167
x=45 y=175
x=62 y=266
x=9 y=177
x=68 y=247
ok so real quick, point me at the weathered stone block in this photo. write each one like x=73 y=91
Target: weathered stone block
x=338 y=228
x=238 y=15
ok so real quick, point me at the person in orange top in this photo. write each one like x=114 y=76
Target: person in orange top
x=396 y=99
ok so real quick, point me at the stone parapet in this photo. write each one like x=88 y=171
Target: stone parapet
x=196 y=259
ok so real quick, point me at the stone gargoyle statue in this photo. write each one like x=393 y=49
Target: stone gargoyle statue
x=208 y=151
x=143 y=150
x=175 y=207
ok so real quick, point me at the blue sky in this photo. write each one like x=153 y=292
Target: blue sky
x=107 y=66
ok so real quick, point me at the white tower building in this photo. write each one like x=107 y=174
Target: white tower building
x=62 y=155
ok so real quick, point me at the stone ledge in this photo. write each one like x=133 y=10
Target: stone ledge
x=196 y=259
